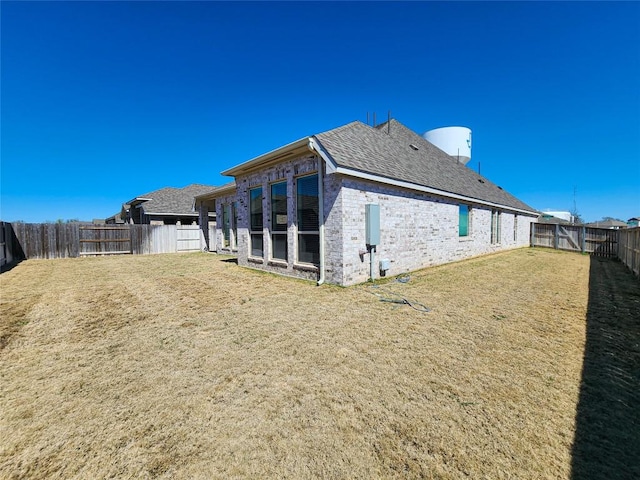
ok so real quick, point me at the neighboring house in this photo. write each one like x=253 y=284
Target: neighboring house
x=611 y=224
x=167 y=206
x=115 y=219
x=633 y=222
x=301 y=210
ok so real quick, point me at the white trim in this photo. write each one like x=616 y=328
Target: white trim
x=272 y=155
x=315 y=145
x=421 y=188
x=176 y=214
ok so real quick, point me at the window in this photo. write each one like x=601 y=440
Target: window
x=255 y=227
x=234 y=224
x=279 y=221
x=307 y=207
x=226 y=225
x=230 y=225
x=463 y=220
x=495 y=226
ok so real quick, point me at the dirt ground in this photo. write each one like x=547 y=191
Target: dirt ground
x=188 y=366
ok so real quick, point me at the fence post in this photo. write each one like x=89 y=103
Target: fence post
x=556 y=237
x=583 y=245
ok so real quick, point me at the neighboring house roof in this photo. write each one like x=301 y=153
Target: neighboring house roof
x=392 y=152
x=170 y=200
x=607 y=224
x=115 y=218
x=547 y=218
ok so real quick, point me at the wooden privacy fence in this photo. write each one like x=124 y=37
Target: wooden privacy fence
x=578 y=238
x=629 y=249
x=623 y=244
x=64 y=240
x=104 y=240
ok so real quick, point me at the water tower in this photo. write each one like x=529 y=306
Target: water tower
x=454 y=141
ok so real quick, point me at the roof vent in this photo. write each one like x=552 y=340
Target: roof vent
x=454 y=141
x=413 y=146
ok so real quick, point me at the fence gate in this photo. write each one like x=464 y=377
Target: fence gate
x=596 y=241
x=188 y=238
x=105 y=240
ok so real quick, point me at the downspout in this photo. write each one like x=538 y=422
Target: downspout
x=321 y=218
x=320 y=209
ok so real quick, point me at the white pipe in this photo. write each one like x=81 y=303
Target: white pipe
x=321 y=220
x=320 y=212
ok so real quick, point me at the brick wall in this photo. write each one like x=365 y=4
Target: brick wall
x=417 y=230
x=284 y=171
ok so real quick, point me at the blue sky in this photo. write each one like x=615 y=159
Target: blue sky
x=101 y=102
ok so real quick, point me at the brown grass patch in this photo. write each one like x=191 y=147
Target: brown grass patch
x=183 y=366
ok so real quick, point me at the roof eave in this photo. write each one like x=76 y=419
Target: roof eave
x=278 y=155
x=215 y=193
x=166 y=214
x=424 y=189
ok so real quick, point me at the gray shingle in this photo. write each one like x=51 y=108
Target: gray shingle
x=176 y=201
x=372 y=150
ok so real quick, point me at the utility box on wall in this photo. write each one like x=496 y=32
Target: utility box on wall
x=372 y=223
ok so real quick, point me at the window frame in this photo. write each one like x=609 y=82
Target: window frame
x=468 y=226
x=226 y=225
x=234 y=225
x=496 y=220
x=304 y=234
x=256 y=231
x=279 y=232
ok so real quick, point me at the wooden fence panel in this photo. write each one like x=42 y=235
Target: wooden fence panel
x=629 y=249
x=596 y=241
x=138 y=236
x=188 y=238
x=104 y=240
x=602 y=242
x=543 y=235
x=163 y=239
x=569 y=238
x=46 y=240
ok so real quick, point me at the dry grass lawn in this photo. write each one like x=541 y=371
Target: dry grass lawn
x=187 y=366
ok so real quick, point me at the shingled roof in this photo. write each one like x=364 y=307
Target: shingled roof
x=170 y=200
x=395 y=152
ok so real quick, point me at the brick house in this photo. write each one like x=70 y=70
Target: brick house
x=300 y=210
